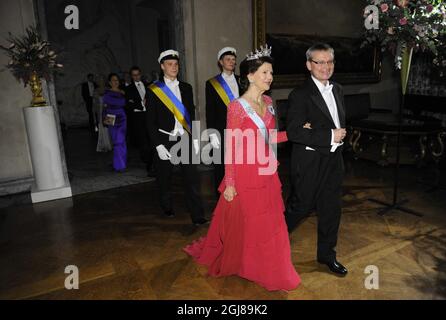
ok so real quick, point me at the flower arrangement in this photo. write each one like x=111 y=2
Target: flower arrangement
x=440 y=57
x=409 y=24
x=30 y=56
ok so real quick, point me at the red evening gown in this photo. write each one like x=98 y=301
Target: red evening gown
x=248 y=236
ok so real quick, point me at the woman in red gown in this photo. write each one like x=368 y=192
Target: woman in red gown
x=248 y=235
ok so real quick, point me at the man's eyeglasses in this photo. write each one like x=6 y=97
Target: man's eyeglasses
x=324 y=63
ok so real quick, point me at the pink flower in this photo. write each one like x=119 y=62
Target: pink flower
x=429 y=8
x=384 y=7
x=403 y=21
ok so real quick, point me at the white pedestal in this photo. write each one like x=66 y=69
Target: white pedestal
x=48 y=195
x=44 y=149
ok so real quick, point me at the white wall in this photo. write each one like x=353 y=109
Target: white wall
x=15 y=163
x=209 y=26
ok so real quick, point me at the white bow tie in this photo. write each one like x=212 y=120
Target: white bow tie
x=138 y=83
x=328 y=89
x=228 y=77
x=173 y=83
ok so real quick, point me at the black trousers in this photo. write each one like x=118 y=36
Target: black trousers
x=139 y=137
x=317 y=184
x=191 y=186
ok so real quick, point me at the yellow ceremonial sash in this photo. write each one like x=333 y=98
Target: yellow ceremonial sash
x=221 y=92
x=169 y=104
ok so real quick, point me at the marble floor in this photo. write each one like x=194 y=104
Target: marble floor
x=125 y=249
x=91 y=171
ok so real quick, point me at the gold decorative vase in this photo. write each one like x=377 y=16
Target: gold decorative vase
x=36 y=89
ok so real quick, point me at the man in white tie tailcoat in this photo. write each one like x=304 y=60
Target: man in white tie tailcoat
x=317 y=166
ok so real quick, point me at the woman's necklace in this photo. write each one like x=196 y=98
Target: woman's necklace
x=258 y=106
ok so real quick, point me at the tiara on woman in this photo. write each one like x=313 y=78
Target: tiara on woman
x=262 y=52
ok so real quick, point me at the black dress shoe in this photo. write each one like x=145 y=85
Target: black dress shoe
x=201 y=222
x=335 y=267
x=169 y=213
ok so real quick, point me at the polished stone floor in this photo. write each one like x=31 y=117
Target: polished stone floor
x=125 y=249
x=91 y=171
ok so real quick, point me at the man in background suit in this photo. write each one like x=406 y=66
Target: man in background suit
x=136 y=97
x=88 y=88
x=217 y=100
x=317 y=166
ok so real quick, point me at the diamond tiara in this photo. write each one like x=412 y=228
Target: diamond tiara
x=262 y=52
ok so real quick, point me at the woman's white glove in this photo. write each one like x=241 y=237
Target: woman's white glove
x=214 y=141
x=163 y=153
